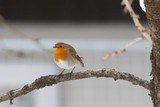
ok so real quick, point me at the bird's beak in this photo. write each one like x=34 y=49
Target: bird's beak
x=54 y=47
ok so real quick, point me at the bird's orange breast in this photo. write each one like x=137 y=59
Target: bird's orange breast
x=60 y=54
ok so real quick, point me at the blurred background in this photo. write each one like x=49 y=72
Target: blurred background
x=30 y=28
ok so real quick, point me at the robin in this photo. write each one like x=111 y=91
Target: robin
x=66 y=57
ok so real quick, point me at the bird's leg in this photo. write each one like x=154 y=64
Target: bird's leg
x=61 y=73
x=72 y=71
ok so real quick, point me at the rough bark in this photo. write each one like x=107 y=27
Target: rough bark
x=54 y=79
x=153 y=17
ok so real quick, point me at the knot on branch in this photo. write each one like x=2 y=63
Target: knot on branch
x=10 y=93
x=44 y=81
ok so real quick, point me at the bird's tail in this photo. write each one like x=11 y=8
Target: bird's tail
x=80 y=60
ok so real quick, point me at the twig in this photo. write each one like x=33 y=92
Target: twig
x=136 y=21
x=122 y=49
x=125 y=10
x=37 y=42
x=54 y=79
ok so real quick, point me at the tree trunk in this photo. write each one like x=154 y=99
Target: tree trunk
x=153 y=17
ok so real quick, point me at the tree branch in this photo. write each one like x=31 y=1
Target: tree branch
x=54 y=79
x=125 y=10
x=123 y=49
x=136 y=21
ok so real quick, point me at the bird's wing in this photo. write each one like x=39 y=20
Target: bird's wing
x=74 y=54
x=80 y=60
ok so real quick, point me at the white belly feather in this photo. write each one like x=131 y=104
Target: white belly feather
x=65 y=64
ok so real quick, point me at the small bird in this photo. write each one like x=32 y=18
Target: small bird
x=66 y=57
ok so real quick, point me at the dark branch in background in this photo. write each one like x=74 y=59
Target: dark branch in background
x=54 y=79
x=21 y=34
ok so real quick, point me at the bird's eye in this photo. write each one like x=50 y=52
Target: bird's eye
x=60 y=46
